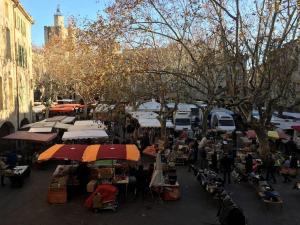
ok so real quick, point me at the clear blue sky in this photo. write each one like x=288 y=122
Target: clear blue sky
x=42 y=12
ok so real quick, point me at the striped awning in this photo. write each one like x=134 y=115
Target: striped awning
x=91 y=153
x=115 y=151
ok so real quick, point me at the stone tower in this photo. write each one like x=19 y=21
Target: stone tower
x=58 y=30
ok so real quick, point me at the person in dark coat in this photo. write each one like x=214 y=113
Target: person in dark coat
x=141 y=180
x=249 y=164
x=12 y=159
x=214 y=162
x=226 y=165
x=145 y=141
x=270 y=168
x=294 y=161
x=290 y=146
x=83 y=173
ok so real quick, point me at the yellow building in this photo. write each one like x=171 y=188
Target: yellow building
x=16 y=83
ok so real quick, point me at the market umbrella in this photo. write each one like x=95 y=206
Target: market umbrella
x=251 y=134
x=63 y=152
x=150 y=150
x=114 y=151
x=277 y=135
x=157 y=176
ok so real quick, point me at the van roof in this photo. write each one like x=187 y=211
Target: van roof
x=223 y=115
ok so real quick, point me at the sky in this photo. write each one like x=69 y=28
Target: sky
x=42 y=12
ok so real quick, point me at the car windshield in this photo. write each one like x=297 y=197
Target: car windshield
x=227 y=123
x=182 y=122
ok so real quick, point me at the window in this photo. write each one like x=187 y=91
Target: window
x=21 y=56
x=11 y=91
x=1 y=94
x=8 y=45
x=226 y=123
x=182 y=122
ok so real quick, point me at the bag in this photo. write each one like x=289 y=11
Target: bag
x=284 y=170
x=293 y=172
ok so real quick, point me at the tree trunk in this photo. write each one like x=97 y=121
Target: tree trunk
x=204 y=121
x=264 y=148
x=47 y=112
x=85 y=114
x=163 y=131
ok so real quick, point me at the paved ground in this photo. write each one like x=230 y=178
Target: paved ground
x=28 y=206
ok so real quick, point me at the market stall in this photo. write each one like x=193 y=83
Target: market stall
x=112 y=172
x=165 y=181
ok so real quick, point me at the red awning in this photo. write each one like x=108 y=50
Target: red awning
x=27 y=136
x=297 y=128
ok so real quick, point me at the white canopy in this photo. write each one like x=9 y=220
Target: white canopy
x=40 y=130
x=44 y=124
x=38 y=108
x=157 y=176
x=64 y=126
x=87 y=127
x=104 y=108
x=146 y=115
x=84 y=122
x=169 y=124
x=184 y=107
x=150 y=106
x=86 y=134
x=62 y=119
x=68 y=119
x=149 y=122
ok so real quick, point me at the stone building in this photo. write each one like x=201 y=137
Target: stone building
x=16 y=82
x=58 y=30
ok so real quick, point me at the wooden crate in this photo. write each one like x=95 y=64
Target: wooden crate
x=171 y=193
x=57 y=196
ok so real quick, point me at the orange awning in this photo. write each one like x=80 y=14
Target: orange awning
x=90 y=153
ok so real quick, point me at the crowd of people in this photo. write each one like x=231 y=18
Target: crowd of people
x=224 y=163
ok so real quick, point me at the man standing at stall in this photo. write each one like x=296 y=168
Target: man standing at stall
x=226 y=165
x=3 y=167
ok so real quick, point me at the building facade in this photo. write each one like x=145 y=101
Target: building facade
x=58 y=30
x=16 y=81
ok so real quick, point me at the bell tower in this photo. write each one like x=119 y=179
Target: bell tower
x=59 y=18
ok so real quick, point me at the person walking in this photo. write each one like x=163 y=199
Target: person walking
x=141 y=179
x=203 y=158
x=191 y=158
x=285 y=170
x=293 y=165
x=3 y=167
x=270 y=168
x=226 y=165
x=214 y=162
x=249 y=164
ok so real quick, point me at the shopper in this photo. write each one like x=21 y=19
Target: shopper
x=214 y=162
x=141 y=179
x=270 y=168
x=294 y=161
x=3 y=167
x=226 y=165
x=191 y=158
x=290 y=147
x=285 y=170
x=203 y=158
x=249 y=164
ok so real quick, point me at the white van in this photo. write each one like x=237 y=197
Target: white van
x=222 y=121
x=182 y=121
